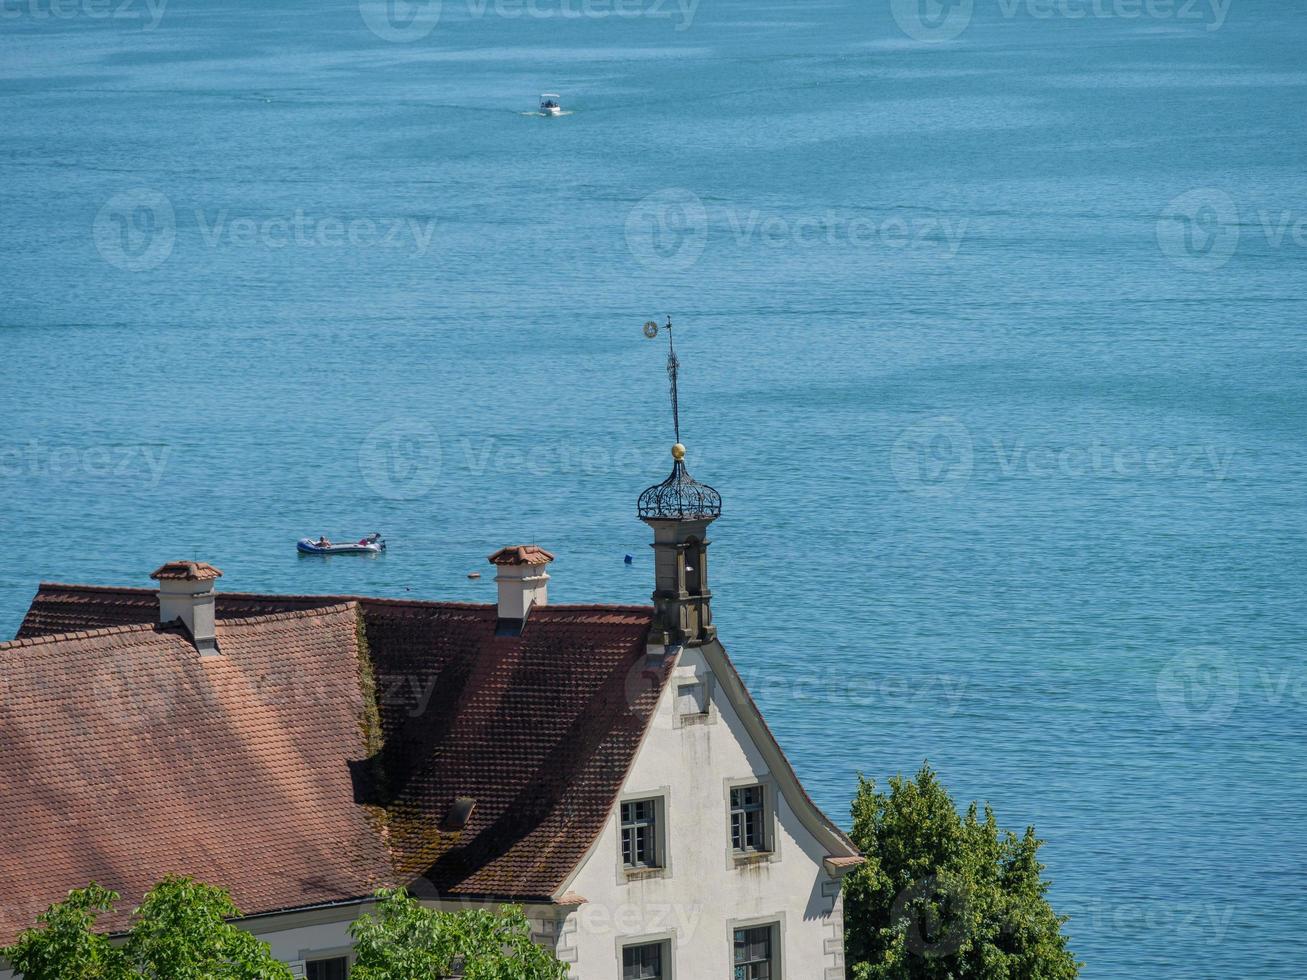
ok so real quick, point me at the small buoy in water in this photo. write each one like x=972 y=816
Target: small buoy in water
x=473 y=574
x=629 y=560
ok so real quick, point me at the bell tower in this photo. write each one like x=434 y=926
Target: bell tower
x=679 y=510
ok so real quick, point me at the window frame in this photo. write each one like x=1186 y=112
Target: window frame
x=659 y=948
x=768 y=822
x=749 y=820
x=660 y=798
x=665 y=940
x=775 y=924
x=313 y=959
x=749 y=936
x=644 y=831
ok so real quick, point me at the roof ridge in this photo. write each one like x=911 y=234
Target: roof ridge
x=339 y=598
x=272 y=617
x=176 y=625
x=172 y=626
x=344 y=598
x=81 y=587
x=606 y=606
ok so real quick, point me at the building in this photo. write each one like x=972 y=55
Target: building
x=603 y=766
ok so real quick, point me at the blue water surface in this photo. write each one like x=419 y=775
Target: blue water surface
x=992 y=332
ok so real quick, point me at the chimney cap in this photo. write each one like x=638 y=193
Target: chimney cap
x=186 y=571
x=521 y=554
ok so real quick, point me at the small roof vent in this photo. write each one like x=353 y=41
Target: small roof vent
x=460 y=812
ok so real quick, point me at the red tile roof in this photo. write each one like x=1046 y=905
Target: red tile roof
x=521 y=554
x=186 y=571
x=331 y=739
x=124 y=756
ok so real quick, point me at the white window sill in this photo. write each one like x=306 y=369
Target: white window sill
x=643 y=874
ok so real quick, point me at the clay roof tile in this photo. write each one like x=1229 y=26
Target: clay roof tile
x=186 y=571
x=521 y=554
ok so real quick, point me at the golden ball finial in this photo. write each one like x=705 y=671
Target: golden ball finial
x=678 y=451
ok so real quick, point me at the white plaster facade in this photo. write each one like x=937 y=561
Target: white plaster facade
x=689 y=760
x=706 y=891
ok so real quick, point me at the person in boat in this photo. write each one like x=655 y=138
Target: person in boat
x=323 y=541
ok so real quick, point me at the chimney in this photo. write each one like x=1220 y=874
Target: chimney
x=522 y=583
x=186 y=593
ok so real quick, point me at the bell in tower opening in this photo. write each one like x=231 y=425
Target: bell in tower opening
x=679 y=510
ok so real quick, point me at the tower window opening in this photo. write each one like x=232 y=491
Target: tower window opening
x=693 y=567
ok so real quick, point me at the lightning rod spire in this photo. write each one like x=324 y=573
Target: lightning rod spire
x=673 y=368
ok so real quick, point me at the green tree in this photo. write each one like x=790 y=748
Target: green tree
x=403 y=939
x=946 y=897
x=179 y=932
x=62 y=945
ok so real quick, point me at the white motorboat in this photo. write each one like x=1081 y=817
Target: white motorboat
x=550 y=104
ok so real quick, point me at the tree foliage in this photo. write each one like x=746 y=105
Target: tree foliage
x=179 y=932
x=63 y=945
x=403 y=939
x=946 y=897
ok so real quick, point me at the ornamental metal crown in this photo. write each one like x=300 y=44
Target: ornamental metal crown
x=680 y=497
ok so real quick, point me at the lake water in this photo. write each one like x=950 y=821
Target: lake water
x=991 y=319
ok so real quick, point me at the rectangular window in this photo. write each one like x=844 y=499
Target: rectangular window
x=640 y=834
x=692 y=699
x=643 y=962
x=753 y=954
x=748 y=826
x=336 y=968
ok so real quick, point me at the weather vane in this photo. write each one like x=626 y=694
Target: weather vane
x=680 y=497
x=673 y=367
